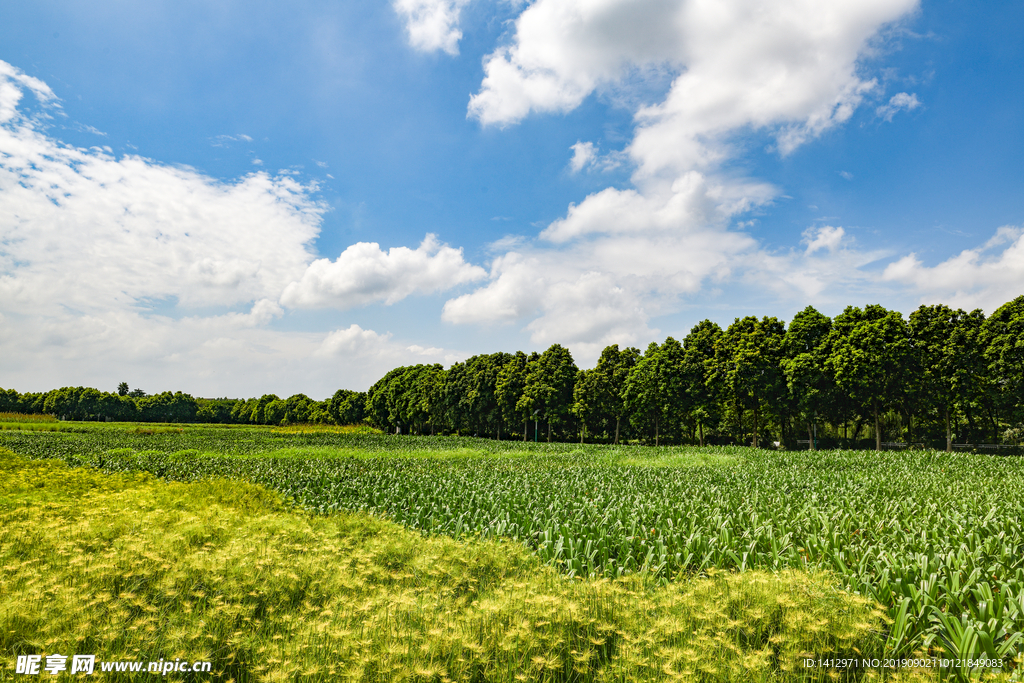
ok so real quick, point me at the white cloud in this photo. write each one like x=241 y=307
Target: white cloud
x=897 y=103
x=12 y=83
x=127 y=269
x=825 y=237
x=789 y=69
x=985 y=277
x=583 y=153
x=691 y=202
x=82 y=229
x=365 y=274
x=432 y=24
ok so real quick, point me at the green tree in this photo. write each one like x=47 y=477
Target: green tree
x=597 y=397
x=655 y=392
x=698 y=372
x=951 y=358
x=347 y=407
x=259 y=409
x=748 y=367
x=549 y=386
x=122 y=389
x=509 y=387
x=808 y=384
x=1002 y=338
x=869 y=357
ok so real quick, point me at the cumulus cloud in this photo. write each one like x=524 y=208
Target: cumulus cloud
x=166 y=275
x=432 y=24
x=985 y=277
x=825 y=237
x=365 y=274
x=789 y=69
x=583 y=154
x=897 y=103
x=85 y=230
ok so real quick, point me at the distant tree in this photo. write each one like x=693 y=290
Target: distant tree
x=951 y=358
x=655 y=392
x=259 y=410
x=747 y=367
x=509 y=388
x=698 y=373
x=10 y=401
x=549 y=386
x=1002 y=338
x=614 y=366
x=869 y=358
x=122 y=389
x=808 y=384
x=347 y=407
x=137 y=393
x=597 y=397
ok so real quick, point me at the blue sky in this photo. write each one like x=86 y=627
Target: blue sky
x=239 y=198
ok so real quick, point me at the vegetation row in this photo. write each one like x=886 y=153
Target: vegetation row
x=130 y=568
x=935 y=538
x=869 y=376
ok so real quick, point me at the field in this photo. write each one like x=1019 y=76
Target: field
x=933 y=539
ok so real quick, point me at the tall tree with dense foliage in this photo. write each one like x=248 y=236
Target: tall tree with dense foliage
x=748 y=366
x=598 y=394
x=698 y=370
x=869 y=358
x=951 y=358
x=509 y=388
x=1002 y=337
x=655 y=392
x=347 y=407
x=808 y=385
x=550 y=381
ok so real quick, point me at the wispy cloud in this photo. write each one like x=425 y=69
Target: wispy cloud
x=897 y=103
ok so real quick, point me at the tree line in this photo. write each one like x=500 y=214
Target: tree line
x=84 y=403
x=869 y=375
x=866 y=376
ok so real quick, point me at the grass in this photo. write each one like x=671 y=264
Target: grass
x=25 y=417
x=934 y=538
x=126 y=566
x=327 y=429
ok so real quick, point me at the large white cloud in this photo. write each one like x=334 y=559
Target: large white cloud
x=789 y=69
x=985 y=277
x=82 y=229
x=126 y=269
x=365 y=274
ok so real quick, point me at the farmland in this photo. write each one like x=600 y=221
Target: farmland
x=935 y=538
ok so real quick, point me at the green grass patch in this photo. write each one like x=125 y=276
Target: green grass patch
x=681 y=458
x=26 y=417
x=936 y=538
x=128 y=567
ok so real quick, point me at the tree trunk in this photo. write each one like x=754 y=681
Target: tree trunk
x=949 y=433
x=617 y=419
x=526 y=428
x=810 y=437
x=971 y=426
x=878 y=432
x=549 y=431
x=755 y=427
x=656 y=421
x=499 y=430
x=700 y=426
x=583 y=430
